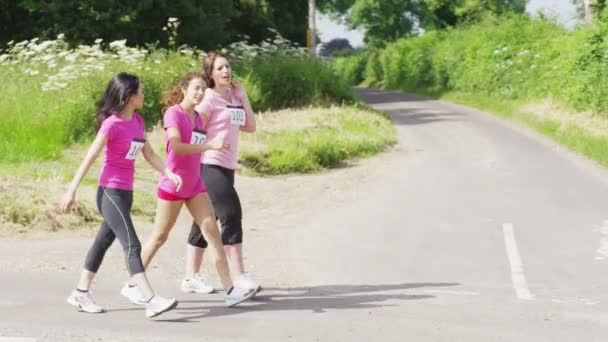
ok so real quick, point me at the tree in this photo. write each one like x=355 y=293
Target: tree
x=446 y=13
x=387 y=20
x=206 y=24
x=382 y=20
x=590 y=9
x=333 y=46
x=203 y=23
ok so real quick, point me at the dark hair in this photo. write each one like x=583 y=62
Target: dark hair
x=208 y=67
x=118 y=92
x=175 y=95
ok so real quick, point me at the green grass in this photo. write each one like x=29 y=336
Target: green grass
x=338 y=134
x=304 y=140
x=39 y=121
x=574 y=138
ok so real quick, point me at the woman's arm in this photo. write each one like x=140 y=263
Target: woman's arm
x=70 y=195
x=157 y=163
x=175 y=140
x=152 y=158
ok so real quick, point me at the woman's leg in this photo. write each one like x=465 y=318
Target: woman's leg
x=116 y=208
x=202 y=213
x=166 y=215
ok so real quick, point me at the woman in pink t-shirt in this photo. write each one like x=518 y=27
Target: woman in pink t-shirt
x=121 y=136
x=227 y=111
x=185 y=141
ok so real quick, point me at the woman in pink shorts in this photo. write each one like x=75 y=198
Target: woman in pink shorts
x=185 y=141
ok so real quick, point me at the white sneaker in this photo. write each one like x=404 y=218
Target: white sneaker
x=238 y=295
x=133 y=294
x=196 y=284
x=245 y=281
x=157 y=305
x=84 y=302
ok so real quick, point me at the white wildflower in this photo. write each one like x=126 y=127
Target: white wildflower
x=118 y=44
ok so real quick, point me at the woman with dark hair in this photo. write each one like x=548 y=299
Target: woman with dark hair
x=121 y=135
x=226 y=111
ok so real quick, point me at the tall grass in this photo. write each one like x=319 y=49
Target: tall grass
x=49 y=91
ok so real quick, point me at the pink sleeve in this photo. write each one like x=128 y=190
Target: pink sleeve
x=106 y=128
x=205 y=107
x=142 y=124
x=170 y=120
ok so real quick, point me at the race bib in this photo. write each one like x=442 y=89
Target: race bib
x=237 y=115
x=136 y=146
x=198 y=137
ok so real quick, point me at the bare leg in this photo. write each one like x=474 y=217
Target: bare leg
x=201 y=210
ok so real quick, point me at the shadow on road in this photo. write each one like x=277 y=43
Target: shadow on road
x=402 y=112
x=316 y=299
x=376 y=96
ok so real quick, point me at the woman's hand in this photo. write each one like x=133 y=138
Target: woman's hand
x=176 y=179
x=239 y=91
x=67 y=201
x=219 y=144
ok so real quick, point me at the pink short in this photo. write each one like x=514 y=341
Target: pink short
x=167 y=196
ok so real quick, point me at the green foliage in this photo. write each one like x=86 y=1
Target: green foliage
x=206 y=24
x=513 y=57
x=383 y=20
x=388 y=20
x=339 y=134
x=278 y=82
x=50 y=91
x=446 y=13
x=351 y=68
x=597 y=6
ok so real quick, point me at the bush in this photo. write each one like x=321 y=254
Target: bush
x=351 y=68
x=278 y=82
x=50 y=91
x=512 y=57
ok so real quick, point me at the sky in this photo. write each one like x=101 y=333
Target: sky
x=564 y=10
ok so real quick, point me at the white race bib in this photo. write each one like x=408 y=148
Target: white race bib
x=136 y=146
x=237 y=115
x=198 y=137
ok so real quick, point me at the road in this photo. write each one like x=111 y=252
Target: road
x=470 y=229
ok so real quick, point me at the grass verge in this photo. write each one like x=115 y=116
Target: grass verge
x=303 y=140
x=582 y=132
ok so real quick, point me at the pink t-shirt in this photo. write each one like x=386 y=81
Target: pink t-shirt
x=185 y=165
x=125 y=140
x=223 y=123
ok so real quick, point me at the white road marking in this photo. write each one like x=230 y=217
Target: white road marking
x=517 y=269
x=17 y=339
x=602 y=251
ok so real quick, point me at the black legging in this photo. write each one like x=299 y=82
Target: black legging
x=226 y=203
x=115 y=207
